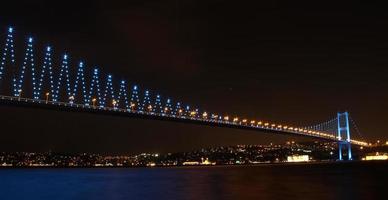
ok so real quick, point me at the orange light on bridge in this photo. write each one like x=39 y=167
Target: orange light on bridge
x=226 y=118
x=20 y=93
x=94 y=100
x=235 y=119
x=204 y=115
x=114 y=103
x=71 y=98
x=47 y=96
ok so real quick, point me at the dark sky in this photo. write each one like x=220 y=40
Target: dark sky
x=294 y=62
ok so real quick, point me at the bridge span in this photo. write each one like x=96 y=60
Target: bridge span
x=73 y=88
x=114 y=111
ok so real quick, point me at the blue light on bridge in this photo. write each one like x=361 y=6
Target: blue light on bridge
x=135 y=100
x=168 y=107
x=158 y=105
x=80 y=79
x=47 y=64
x=83 y=91
x=8 y=51
x=28 y=60
x=146 y=105
x=109 y=89
x=123 y=95
x=95 y=89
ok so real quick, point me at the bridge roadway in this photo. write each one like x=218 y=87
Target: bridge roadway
x=73 y=107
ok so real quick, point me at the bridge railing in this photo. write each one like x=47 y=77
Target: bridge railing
x=265 y=126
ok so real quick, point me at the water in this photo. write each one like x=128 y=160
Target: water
x=297 y=181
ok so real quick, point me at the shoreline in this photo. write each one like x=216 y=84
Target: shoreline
x=195 y=166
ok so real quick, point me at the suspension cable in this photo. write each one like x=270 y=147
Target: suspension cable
x=356 y=127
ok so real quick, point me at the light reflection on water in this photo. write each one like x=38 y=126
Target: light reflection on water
x=298 y=181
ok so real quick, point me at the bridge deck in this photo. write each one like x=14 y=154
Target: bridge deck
x=72 y=107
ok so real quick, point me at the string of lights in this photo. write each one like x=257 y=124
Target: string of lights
x=60 y=89
x=8 y=51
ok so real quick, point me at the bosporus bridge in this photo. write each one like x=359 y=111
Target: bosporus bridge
x=23 y=83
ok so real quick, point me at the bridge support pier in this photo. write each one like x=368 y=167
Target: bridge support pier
x=346 y=145
x=343 y=129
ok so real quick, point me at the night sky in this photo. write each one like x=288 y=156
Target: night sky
x=294 y=62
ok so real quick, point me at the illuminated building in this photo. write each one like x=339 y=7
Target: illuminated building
x=298 y=158
x=377 y=156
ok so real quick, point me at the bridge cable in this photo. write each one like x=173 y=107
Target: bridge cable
x=356 y=127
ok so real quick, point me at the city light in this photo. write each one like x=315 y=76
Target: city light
x=193 y=113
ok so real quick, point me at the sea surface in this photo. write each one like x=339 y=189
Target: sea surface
x=353 y=180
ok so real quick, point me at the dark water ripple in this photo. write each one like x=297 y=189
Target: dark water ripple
x=358 y=180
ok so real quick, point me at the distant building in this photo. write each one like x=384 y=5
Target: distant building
x=298 y=158
x=207 y=162
x=203 y=162
x=190 y=163
x=377 y=156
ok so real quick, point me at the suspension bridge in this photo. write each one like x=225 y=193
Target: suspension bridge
x=25 y=82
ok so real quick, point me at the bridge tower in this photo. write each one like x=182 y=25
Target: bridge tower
x=343 y=129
